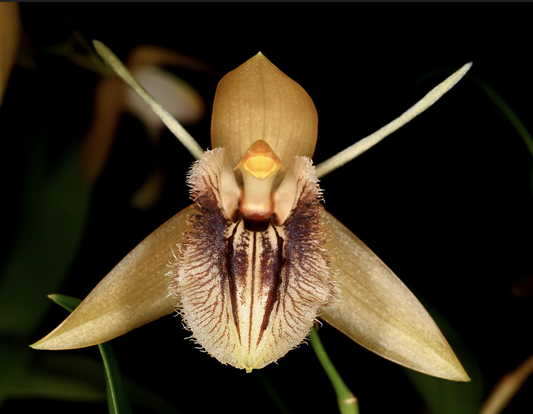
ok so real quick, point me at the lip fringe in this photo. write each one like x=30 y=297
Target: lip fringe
x=249 y=297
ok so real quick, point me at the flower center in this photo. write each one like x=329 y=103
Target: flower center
x=259 y=167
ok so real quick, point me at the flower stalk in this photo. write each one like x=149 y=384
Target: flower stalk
x=345 y=398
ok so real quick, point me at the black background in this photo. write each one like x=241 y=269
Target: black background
x=446 y=201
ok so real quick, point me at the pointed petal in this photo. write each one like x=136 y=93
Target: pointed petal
x=258 y=101
x=131 y=295
x=381 y=314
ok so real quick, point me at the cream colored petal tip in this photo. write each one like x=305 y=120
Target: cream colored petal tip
x=134 y=293
x=257 y=101
x=381 y=314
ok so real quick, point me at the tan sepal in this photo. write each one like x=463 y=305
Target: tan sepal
x=131 y=295
x=258 y=101
x=379 y=312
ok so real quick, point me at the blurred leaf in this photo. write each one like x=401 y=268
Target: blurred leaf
x=75 y=377
x=52 y=221
x=501 y=104
x=511 y=117
x=62 y=376
x=13 y=360
x=509 y=114
x=450 y=397
x=151 y=191
x=45 y=384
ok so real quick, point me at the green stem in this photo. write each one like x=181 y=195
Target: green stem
x=117 y=398
x=345 y=398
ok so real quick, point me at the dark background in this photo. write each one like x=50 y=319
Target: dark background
x=446 y=201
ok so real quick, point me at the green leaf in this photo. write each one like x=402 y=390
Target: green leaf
x=501 y=104
x=14 y=360
x=507 y=111
x=67 y=302
x=52 y=220
x=54 y=212
x=75 y=377
x=62 y=376
x=117 y=396
x=38 y=383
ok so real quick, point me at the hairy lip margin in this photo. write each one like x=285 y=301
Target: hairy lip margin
x=249 y=297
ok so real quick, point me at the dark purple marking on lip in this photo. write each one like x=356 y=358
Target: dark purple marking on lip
x=272 y=264
x=233 y=266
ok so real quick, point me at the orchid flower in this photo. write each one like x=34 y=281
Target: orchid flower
x=257 y=259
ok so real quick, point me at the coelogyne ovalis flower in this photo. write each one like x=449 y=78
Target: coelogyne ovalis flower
x=256 y=259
